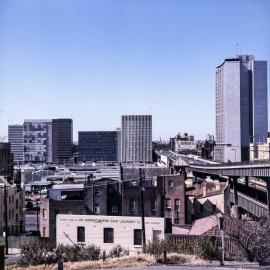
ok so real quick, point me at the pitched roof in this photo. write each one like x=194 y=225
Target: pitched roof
x=180 y=163
x=203 y=225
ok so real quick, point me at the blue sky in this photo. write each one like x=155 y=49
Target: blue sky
x=94 y=60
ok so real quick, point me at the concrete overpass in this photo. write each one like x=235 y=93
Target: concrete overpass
x=242 y=199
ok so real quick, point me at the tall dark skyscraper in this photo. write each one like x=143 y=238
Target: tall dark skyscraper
x=98 y=146
x=62 y=140
x=136 y=138
x=241 y=107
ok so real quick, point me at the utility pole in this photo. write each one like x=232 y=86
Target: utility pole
x=6 y=218
x=93 y=195
x=37 y=216
x=121 y=187
x=221 y=227
x=142 y=206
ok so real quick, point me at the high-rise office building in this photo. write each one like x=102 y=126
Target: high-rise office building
x=98 y=146
x=241 y=107
x=62 y=140
x=136 y=138
x=37 y=136
x=15 y=138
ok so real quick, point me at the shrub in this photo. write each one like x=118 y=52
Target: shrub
x=157 y=248
x=76 y=253
x=118 y=251
x=39 y=253
x=204 y=247
x=36 y=253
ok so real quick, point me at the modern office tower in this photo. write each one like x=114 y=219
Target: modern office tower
x=98 y=146
x=37 y=136
x=15 y=138
x=241 y=107
x=62 y=140
x=136 y=134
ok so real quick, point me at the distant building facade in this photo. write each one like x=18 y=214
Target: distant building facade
x=136 y=138
x=98 y=146
x=15 y=206
x=260 y=151
x=62 y=140
x=6 y=161
x=183 y=143
x=37 y=135
x=40 y=140
x=15 y=138
x=241 y=107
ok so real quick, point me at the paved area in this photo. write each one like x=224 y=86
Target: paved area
x=211 y=266
x=13 y=256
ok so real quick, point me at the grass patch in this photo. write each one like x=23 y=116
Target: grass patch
x=139 y=261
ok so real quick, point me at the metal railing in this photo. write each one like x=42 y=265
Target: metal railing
x=250 y=205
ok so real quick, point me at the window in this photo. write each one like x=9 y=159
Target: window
x=115 y=209
x=177 y=204
x=132 y=205
x=176 y=221
x=44 y=214
x=170 y=183
x=80 y=234
x=97 y=209
x=108 y=235
x=97 y=191
x=43 y=231
x=153 y=204
x=137 y=237
x=156 y=235
x=168 y=203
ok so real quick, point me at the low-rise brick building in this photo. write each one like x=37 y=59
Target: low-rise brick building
x=15 y=204
x=164 y=196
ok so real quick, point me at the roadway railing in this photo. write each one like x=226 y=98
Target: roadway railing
x=249 y=204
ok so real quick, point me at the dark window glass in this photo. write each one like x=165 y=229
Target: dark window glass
x=132 y=205
x=80 y=234
x=108 y=235
x=137 y=237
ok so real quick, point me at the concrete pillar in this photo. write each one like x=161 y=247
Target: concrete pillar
x=268 y=193
x=235 y=190
x=235 y=208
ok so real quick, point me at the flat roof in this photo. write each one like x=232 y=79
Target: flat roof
x=67 y=186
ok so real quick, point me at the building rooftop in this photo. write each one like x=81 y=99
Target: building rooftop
x=67 y=186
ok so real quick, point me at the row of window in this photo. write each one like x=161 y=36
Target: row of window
x=108 y=235
x=134 y=204
x=176 y=204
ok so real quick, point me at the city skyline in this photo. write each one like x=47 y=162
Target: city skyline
x=98 y=59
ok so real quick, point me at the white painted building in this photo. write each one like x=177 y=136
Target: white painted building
x=107 y=231
x=185 y=146
x=259 y=151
